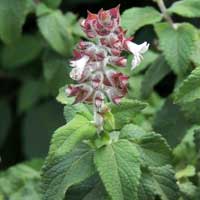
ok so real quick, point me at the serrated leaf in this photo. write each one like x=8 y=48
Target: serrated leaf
x=21 y=52
x=155 y=73
x=56 y=70
x=119 y=168
x=186 y=8
x=177 y=45
x=67 y=136
x=53 y=26
x=153 y=148
x=125 y=111
x=161 y=182
x=12 y=18
x=171 y=123
x=135 y=18
x=5 y=120
x=61 y=172
x=189 y=90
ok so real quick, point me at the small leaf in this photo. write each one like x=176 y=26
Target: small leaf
x=177 y=45
x=53 y=26
x=153 y=148
x=188 y=171
x=135 y=18
x=119 y=168
x=125 y=111
x=12 y=18
x=61 y=172
x=21 y=52
x=67 y=136
x=189 y=90
x=186 y=8
x=155 y=73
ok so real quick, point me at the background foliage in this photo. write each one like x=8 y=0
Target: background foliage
x=36 y=44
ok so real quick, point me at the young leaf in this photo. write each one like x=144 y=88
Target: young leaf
x=186 y=8
x=119 y=168
x=61 y=172
x=67 y=136
x=13 y=56
x=12 y=18
x=189 y=90
x=125 y=111
x=155 y=73
x=53 y=26
x=52 y=3
x=177 y=45
x=153 y=148
x=135 y=18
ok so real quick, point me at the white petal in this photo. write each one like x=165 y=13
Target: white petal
x=79 y=63
x=135 y=48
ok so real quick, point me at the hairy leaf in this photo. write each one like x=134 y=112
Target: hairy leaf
x=61 y=172
x=153 y=148
x=177 y=45
x=135 y=18
x=125 y=111
x=186 y=8
x=189 y=89
x=119 y=168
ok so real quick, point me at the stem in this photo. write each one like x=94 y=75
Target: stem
x=163 y=9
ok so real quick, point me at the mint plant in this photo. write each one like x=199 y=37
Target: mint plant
x=130 y=88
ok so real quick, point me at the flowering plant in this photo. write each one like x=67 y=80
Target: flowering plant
x=131 y=126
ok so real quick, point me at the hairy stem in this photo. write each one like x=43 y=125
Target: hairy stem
x=163 y=9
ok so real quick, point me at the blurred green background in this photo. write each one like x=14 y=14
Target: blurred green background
x=35 y=65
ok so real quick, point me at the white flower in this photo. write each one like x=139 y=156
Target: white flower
x=137 y=51
x=78 y=67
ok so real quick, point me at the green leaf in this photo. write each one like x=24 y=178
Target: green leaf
x=12 y=18
x=54 y=27
x=30 y=93
x=189 y=90
x=159 y=181
x=196 y=54
x=153 y=148
x=177 y=45
x=5 y=122
x=155 y=73
x=21 y=52
x=61 y=172
x=186 y=8
x=56 y=70
x=135 y=18
x=125 y=111
x=188 y=171
x=52 y=3
x=119 y=168
x=171 y=123
x=20 y=182
x=70 y=111
x=38 y=126
x=67 y=136
x=63 y=98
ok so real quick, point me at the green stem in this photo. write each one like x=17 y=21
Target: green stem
x=163 y=9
